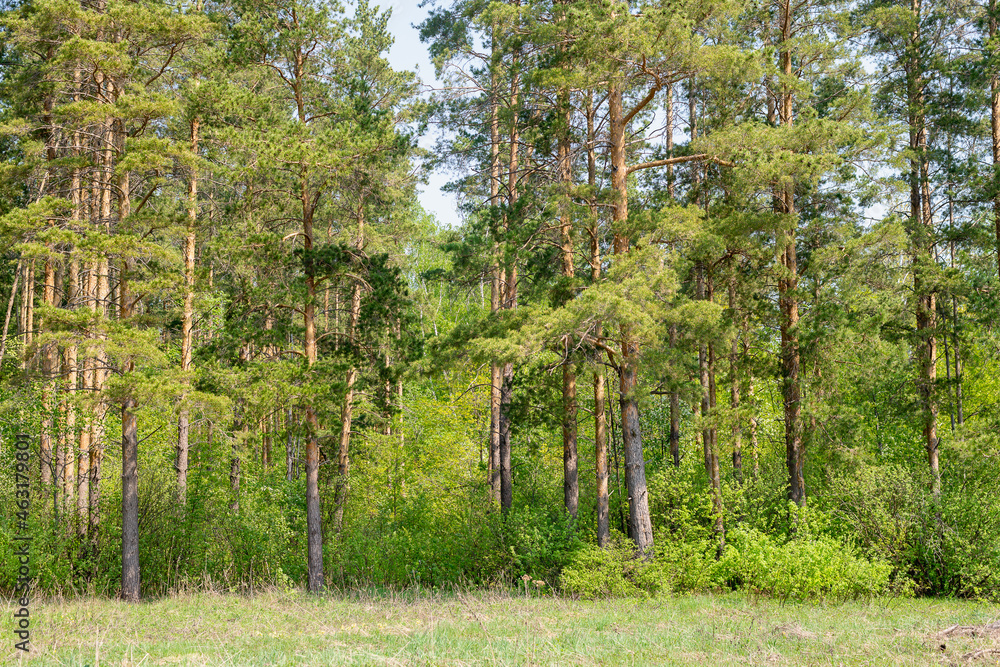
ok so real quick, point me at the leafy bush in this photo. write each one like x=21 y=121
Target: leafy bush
x=599 y=573
x=810 y=567
x=948 y=545
x=421 y=541
x=680 y=503
x=681 y=567
x=540 y=542
x=618 y=572
x=880 y=506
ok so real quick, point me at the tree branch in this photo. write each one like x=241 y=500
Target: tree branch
x=680 y=160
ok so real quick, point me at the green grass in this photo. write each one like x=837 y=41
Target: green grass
x=492 y=629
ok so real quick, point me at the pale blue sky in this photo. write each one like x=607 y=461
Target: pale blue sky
x=409 y=53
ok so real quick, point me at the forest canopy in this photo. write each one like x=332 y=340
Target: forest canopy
x=721 y=311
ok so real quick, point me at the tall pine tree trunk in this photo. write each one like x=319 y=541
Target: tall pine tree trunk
x=49 y=369
x=86 y=430
x=496 y=297
x=314 y=529
x=675 y=396
x=959 y=402
x=130 y=504
x=240 y=437
x=734 y=388
x=600 y=409
x=709 y=432
x=788 y=281
x=70 y=367
x=640 y=522
x=289 y=452
x=102 y=294
x=346 y=415
x=995 y=124
x=506 y=476
x=187 y=321
x=28 y=307
x=754 y=446
x=509 y=290
x=675 y=412
x=72 y=289
x=130 y=473
x=130 y=435
x=923 y=250
x=48 y=299
x=571 y=484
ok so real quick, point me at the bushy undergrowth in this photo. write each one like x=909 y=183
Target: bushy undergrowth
x=597 y=573
x=799 y=569
x=420 y=541
x=539 y=543
x=947 y=545
x=871 y=530
x=211 y=543
x=813 y=567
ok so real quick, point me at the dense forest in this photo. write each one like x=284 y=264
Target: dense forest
x=721 y=312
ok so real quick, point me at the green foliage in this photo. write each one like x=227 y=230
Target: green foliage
x=274 y=143
x=539 y=542
x=809 y=567
x=680 y=506
x=617 y=571
x=420 y=542
x=948 y=545
x=601 y=573
x=681 y=567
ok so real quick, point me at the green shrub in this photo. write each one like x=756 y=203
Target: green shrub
x=809 y=567
x=419 y=541
x=948 y=545
x=680 y=567
x=881 y=507
x=618 y=572
x=956 y=544
x=679 y=503
x=599 y=573
x=540 y=542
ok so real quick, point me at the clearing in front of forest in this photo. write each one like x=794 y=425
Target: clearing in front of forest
x=484 y=628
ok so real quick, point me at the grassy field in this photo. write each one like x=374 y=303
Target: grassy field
x=491 y=629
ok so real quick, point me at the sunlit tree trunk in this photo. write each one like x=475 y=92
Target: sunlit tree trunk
x=923 y=248
x=130 y=434
x=571 y=484
x=346 y=415
x=675 y=412
x=734 y=388
x=109 y=142
x=640 y=523
x=50 y=366
x=496 y=297
x=788 y=281
x=87 y=430
x=187 y=321
x=706 y=366
x=600 y=408
x=28 y=308
x=995 y=123
x=314 y=528
x=72 y=288
x=509 y=290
